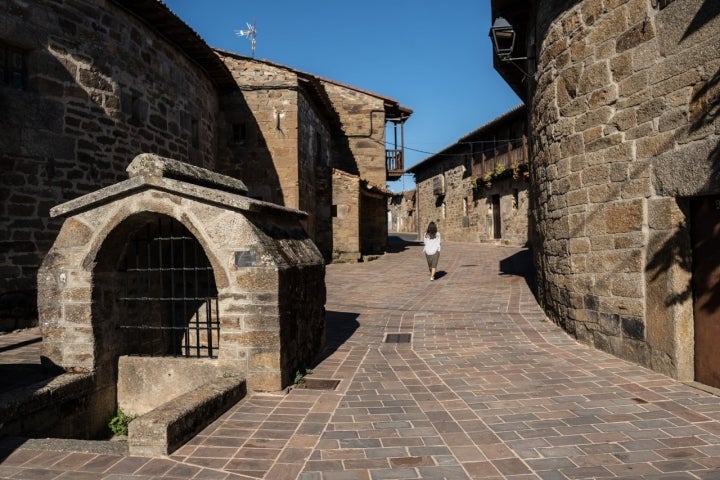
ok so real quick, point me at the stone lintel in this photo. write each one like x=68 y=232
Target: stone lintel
x=150 y=165
x=203 y=194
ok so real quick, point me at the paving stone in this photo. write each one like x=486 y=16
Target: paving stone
x=487 y=389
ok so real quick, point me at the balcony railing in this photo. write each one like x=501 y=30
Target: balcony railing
x=511 y=154
x=394 y=164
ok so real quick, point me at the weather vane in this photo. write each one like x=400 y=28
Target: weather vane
x=249 y=33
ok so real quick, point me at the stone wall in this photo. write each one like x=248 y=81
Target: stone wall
x=94 y=87
x=345 y=217
x=262 y=122
x=292 y=145
x=362 y=117
x=402 y=212
x=445 y=208
x=360 y=151
x=373 y=220
x=625 y=128
x=511 y=197
x=314 y=158
x=464 y=213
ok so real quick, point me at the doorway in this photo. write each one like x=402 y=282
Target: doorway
x=705 y=237
x=497 y=232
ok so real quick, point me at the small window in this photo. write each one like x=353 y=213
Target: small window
x=663 y=3
x=515 y=198
x=439 y=185
x=13 y=67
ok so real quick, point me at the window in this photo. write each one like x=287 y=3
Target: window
x=439 y=185
x=663 y=3
x=13 y=67
x=515 y=198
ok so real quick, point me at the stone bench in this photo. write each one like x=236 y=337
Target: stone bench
x=168 y=426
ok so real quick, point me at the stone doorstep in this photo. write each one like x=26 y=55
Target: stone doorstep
x=166 y=428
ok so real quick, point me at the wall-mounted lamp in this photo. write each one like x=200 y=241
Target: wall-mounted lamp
x=503 y=35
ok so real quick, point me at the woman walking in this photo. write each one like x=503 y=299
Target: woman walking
x=432 y=248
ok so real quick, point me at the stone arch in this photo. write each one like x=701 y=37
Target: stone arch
x=268 y=273
x=155 y=207
x=113 y=331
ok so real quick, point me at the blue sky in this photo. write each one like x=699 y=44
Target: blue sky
x=434 y=57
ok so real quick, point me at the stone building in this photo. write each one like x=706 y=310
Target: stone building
x=316 y=145
x=476 y=189
x=86 y=85
x=401 y=212
x=623 y=98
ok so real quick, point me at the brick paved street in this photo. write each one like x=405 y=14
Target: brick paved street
x=486 y=388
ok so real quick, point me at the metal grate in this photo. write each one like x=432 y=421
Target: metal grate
x=319 y=384
x=398 y=338
x=170 y=303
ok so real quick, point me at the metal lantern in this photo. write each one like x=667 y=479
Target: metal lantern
x=503 y=35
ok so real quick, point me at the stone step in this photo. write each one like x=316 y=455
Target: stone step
x=167 y=427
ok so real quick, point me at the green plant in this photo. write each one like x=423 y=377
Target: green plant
x=499 y=169
x=300 y=375
x=487 y=179
x=118 y=425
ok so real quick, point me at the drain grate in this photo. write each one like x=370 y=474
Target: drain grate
x=319 y=384
x=398 y=338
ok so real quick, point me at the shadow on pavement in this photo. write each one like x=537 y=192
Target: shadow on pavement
x=339 y=327
x=399 y=242
x=521 y=265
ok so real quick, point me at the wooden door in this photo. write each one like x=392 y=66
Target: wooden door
x=497 y=233
x=705 y=232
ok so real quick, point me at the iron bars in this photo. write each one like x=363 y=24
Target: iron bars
x=170 y=303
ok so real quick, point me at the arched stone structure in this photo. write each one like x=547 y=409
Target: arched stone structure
x=269 y=277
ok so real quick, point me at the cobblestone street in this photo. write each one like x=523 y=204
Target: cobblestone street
x=459 y=378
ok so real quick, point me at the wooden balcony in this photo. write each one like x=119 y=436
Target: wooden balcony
x=394 y=164
x=512 y=154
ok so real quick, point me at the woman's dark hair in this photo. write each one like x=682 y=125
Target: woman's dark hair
x=431 y=230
